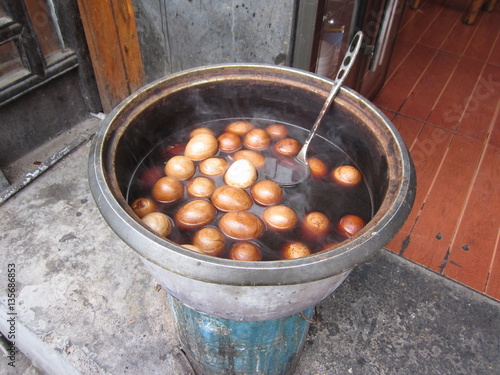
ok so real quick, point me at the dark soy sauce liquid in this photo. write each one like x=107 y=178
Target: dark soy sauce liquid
x=325 y=196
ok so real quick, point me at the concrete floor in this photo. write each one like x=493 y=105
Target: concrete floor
x=86 y=305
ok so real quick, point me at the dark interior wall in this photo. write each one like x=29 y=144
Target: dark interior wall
x=57 y=105
x=182 y=34
x=38 y=116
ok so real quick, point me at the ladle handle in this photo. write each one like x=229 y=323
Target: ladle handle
x=346 y=66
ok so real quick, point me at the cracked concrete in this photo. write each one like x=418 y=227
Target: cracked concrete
x=80 y=290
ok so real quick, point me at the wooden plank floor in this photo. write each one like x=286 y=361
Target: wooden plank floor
x=443 y=95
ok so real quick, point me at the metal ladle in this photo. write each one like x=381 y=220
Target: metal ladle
x=291 y=172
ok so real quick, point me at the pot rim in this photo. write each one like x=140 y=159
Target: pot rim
x=393 y=210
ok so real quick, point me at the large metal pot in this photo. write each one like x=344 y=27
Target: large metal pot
x=250 y=290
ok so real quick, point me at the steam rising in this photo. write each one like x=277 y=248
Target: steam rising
x=162 y=130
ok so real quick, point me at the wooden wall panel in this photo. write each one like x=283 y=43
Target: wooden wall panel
x=123 y=12
x=111 y=34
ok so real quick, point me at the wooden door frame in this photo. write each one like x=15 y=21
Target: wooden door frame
x=111 y=34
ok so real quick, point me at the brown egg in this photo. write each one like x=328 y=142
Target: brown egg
x=158 y=223
x=287 y=147
x=213 y=166
x=266 y=193
x=277 y=131
x=347 y=175
x=192 y=248
x=180 y=167
x=239 y=127
x=195 y=214
x=200 y=187
x=143 y=206
x=167 y=189
x=148 y=178
x=210 y=240
x=318 y=168
x=257 y=139
x=349 y=225
x=201 y=131
x=229 y=142
x=201 y=147
x=294 y=250
x=245 y=251
x=241 y=174
x=280 y=218
x=241 y=225
x=258 y=160
x=315 y=224
x=229 y=198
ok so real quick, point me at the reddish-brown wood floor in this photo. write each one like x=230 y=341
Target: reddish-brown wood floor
x=443 y=94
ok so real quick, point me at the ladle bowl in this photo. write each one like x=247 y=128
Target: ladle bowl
x=295 y=171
